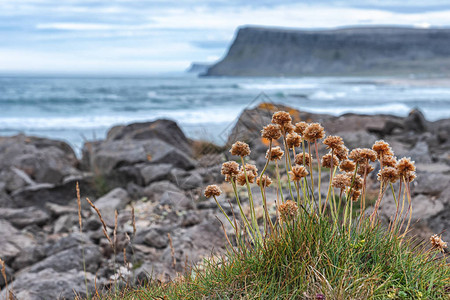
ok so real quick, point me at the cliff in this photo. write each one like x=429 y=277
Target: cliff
x=349 y=51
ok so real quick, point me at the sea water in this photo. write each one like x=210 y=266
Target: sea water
x=76 y=109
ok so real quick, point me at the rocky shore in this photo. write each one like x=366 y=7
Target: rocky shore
x=154 y=169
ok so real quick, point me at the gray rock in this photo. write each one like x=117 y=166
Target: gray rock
x=430 y=183
x=165 y=130
x=70 y=259
x=358 y=139
x=156 y=238
x=28 y=257
x=12 y=241
x=157 y=172
x=190 y=219
x=420 y=153
x=117 y=199
x=43 y=160
x=48 y=284
x=65 y=223
x=15 y=179
x=176 y=200
x=22 y=217
x=156 y=189
x=415 y=121
x=112 y=154
x=186 y=180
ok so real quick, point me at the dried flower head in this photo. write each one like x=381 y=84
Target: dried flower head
x=250 y=169
x=288 y=128
x=328 y=163
x=356 y=181
x=333 y=142
x=265 y=181
x=313 y=132
x=365 y=169
x=388 y=174
x=293 y=140
x=340 y=181
x=355 y=195
x=347 y=166
x=212 y=190
x=437 y=243
x=275 y=154
x=302 y=159
x=230 y=169
x=271 y=132
x=341 y=152
x=240 y=179
x=240 y=149
x=405 y=165
x=288 y=210
x=298 y=172
x=362 y=155
x=389 y=161
x=382 y=149
x=281 y=118
x=300 y=127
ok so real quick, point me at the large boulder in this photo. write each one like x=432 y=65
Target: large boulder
x=43 y=160
x=22 y=217
x=12 y=241
x=112 y=154
x=116 y=199
x=164 y=130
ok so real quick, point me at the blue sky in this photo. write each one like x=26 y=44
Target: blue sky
x=151 y=36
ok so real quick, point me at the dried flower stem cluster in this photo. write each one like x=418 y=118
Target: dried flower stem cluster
x=349 y=172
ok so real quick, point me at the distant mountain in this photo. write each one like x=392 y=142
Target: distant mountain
x=260 y=51
x=199 y=68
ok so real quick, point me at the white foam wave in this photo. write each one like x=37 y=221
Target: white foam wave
x=152 y=94
x=276 y=86
x=323 y=95
x=391 y=108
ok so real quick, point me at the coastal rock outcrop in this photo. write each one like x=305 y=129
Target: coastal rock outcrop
x=259 y=51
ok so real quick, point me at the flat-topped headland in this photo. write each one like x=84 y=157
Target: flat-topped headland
x=259 y=51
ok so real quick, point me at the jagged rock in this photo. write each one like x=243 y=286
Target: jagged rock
x=155 y=172
x=190 y=218
x=15 y=179
x=65 y=223
x=420 y=153
x=12 y=241
x=70 y=259
x=22 y=217
x=415 y=121
x=40 y=194
x=156 y=189
x=156 y=238
x=43 y=160
x=117 y=199
x=358 y=139
x=430 y=183
x=164 y=130
x=186 y=180
x=112 y=154
x=48 y=284
x=176 y=200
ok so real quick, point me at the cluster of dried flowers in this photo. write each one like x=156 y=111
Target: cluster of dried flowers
x=353 y=168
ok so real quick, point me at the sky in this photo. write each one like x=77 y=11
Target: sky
x=157 y=36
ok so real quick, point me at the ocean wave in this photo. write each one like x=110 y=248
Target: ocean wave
x=323 y=95
x=276 y=86
x=390 y=108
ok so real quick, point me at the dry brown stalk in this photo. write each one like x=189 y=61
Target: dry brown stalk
x=105 y=232
x=172 y=251
x=116 y=214
x=79 y=206
x=133 y=220
x=2 y=263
